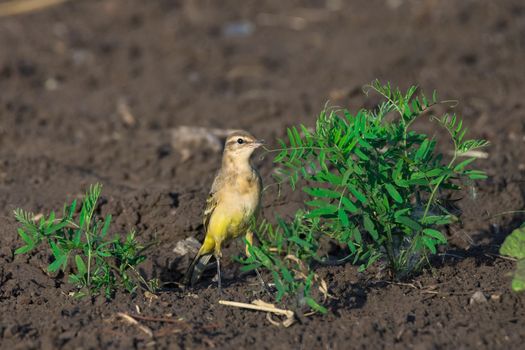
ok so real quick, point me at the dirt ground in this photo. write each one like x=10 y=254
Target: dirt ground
x=92 y=90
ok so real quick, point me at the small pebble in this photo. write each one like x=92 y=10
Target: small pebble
x=10 y=331
x=239 y=29
x=189 y=245
x=478 y=298
x=51 y=84
x=495 y=297
x=67 y=335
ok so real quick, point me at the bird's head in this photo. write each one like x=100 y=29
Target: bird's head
x=240 y=145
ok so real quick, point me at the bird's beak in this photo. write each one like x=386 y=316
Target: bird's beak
x=258 y=143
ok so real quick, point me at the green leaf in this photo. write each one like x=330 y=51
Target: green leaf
x=250 y=267
x=23 y=249
x=370 y=227
x=287 y=275
x=518 y=282
x=55 y=265
x=351 y=146
x=42 y=223
x=514 y=244
x=322 y=160
x=26 y=238
x=81 y=267
x=430 y=244
x=349 y=205
x=437 y=219
x=291 y=137
x=357 y=194
x=463 y=164
x=436 y=172
x=316 y=203
x=56 y=227
x=77 y=237
x=72 y=209
x=327 y=210
x=393 y=193
x=435 y=234
x=51 y=220
x=422 y=150
x=402 y=212
x=421 y=182
x=300 y=242
x=315 y=306
x=365 y=144
x=396 y=174
x=105 y=228
x=343 y=218
x=279 y=157
x=401 y=183
x=74 y=279
x=281 y=291
x=476 y=174
x=57 y=252
x=333 y=179
x=357 y=235
x=405 y=220
x=361 y=155
x=322 y=192
x=262 y=257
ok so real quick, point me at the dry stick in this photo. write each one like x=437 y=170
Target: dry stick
x=158 y=319
x=17 y=7
x=262 y=306
x=257 y=307
x=501 y=256
x=134 y=322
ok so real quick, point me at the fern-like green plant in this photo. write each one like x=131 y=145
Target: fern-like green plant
x=101 y=264
x=373 y=184
x=287 y=250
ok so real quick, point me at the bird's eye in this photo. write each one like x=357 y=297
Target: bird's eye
x=240 y=141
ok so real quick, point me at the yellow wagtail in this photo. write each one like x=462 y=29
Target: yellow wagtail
x=233 y=201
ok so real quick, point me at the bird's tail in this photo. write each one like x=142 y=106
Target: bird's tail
x=196 y=268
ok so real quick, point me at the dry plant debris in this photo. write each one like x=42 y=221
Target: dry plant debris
x=18 y=7
x=260 y=305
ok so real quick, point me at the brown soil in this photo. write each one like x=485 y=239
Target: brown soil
x=64 y=70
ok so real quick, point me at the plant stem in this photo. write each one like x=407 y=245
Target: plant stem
x=441 y=178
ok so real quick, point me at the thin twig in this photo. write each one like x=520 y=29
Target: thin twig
x=507 y=213
x=136 y=323
x=257 y=307
x=17 y=7
x=260 y=305
x=501 y=257
x=158 y=319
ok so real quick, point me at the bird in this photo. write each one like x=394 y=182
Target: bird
x=233 y=201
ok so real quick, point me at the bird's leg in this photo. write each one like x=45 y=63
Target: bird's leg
x=218 y=258
x=264 y=285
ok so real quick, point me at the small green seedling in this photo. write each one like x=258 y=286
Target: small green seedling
x=514 y=247
x=94 y=262
x=287 y=250
x=373 y=185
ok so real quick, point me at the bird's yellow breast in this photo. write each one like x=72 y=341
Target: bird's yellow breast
x=237 y=202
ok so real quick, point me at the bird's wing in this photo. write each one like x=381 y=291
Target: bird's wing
x=211 y=202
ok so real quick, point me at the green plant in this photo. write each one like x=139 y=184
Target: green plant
x=514 y=246
x=373 y=184
x=101 y=264
x=287 y=250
